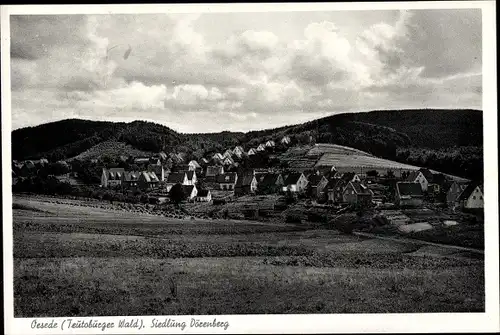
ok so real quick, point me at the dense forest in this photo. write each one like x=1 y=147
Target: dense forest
x=450 y=141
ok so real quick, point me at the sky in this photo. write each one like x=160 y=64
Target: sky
x=209 y=72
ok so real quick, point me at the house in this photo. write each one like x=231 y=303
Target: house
x=270 y=144
x=472 y=197
x=193 y=166
x=189 y=191
x=217 y=156
x=148 y=180
x=456 y=188
x=261 y=147
x=228 y=161
x=111 y=177
x=203 y=196
x=295 y=182
x=335 y=190
x=238 y=151
x=192 y=179
x=418 y=177
x=409 y=194
x=251 y=152
x=350 y=176
x=246 y=183
x=227 y=181
x=357 y=193
x=213 y=171
x=176 y=178
x=130 y=179
x=286 y=140
x=159 y=170
x=269 y=182
x=316 y=185
x=204 y=161
x=227 y=153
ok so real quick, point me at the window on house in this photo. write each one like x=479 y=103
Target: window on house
x=474 y=197
x=481 y=198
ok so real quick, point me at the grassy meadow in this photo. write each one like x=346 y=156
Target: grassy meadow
x=78 y=261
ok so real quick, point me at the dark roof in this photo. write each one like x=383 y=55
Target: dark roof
x=226 y=178
x=360 y=188
x=155 y=168
x=348 y=176
x=292 y=178
x=427 y=174
x=314 y=179
x=203 y=193
x=412 y=176
x=187 y=189
x=335 y=182
x=244 y=179
x=190 y=175
x=176 y=177
x=466 y=193
x=267 y=179
x=409 y=189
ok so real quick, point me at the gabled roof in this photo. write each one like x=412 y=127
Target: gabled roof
x=427 y=174
x=203 y=193
x=187 y=189
x=245 y=180
x=162 y=155
x=348 y=176
x=195 y=164
x=466 y=193
x=314 y=179
x=267 y=179
x=360 y=188
x=176 y=177
x=292 y=178
x=412 y=176
x=150 y=177
x=114 y=173
x=409 y=189
x=335 y=182
x=226 y=178
x=131 y=175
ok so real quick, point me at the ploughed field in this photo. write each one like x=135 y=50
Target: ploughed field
x=82 y=261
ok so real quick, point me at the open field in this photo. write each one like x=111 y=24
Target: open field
x=323 y=148
x=342 y=160
x=82 y=261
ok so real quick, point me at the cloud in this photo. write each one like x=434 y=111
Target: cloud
x=241 y=78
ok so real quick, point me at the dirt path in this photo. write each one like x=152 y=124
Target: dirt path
x=410 y=240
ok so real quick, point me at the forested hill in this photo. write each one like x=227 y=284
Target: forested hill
x=446 y=140
x=68 y=138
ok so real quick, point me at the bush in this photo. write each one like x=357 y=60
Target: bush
x=344 y=223
x=144 y=198
x=293 y=218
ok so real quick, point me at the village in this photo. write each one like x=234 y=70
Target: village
x=225 y=179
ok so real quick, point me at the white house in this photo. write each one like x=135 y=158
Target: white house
x=193 y=165
x=261 y=147
x=189 y=191
x=251 y=152
x=295 y=182
x=418 y=177
x=112 y=177
x=270 y=144
x=472 y=197
x=286 y=140
x=217 y=156
x=238 y=151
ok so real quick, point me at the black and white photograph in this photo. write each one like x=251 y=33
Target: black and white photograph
x=176 y=162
